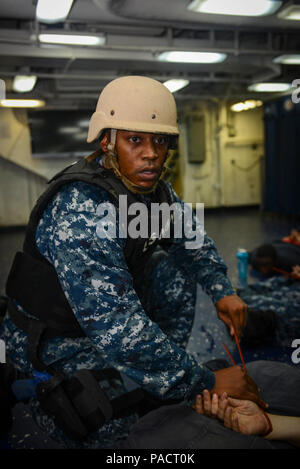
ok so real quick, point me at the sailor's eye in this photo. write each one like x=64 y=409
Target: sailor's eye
x=161 y=140
x=134 y=139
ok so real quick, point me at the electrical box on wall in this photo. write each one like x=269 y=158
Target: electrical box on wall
x=196 y=138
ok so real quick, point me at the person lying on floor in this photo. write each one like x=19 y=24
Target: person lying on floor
x=183 y=426
x=276 y=257
x=273 y=314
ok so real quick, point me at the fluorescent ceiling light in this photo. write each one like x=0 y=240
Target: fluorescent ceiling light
x=53 y=11
x=288 y=59
x=176 y=84
x=68 y=130
x=24 y=83
x=269 y=87
x=72 y=39
x=84 y=123
x=246 y=106
x=293 y=15
x=290 y=11
x=236 y=8
x=21 y=103
x=79 y=136
x=192 y=57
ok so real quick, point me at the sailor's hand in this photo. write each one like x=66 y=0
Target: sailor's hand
x=236 y=383
x=233 y=311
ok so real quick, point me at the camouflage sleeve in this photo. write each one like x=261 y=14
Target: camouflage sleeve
x=96 y=281
x=204 y=262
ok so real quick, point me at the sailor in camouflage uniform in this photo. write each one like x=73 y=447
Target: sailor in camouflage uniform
x=139 y=325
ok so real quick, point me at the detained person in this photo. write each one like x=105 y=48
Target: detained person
x=83 y=301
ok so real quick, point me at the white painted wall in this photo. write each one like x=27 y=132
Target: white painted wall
x=234 y=147
x=201 y=181
x=242 y=158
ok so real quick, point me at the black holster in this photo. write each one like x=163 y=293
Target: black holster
x=78 y=405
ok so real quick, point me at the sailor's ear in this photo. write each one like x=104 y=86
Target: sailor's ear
x=104 y=141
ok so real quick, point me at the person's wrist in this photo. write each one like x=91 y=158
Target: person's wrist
x=219 y=296
x=269 y=425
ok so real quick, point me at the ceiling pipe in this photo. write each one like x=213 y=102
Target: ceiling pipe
x=208 y=78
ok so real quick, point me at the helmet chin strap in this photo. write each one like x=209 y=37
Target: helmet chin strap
x=113 y=138
x=110 y=161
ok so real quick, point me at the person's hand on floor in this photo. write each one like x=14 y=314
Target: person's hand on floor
x=246 y=417
x=239 y=415
x=212 y=406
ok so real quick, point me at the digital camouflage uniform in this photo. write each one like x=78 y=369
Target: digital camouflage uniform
x=142 y=331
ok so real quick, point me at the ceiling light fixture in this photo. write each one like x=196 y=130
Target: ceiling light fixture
x=24 y=83
x=288 y=59
x=192 y=57
x=176 y=84
x=22 y=103
x=53 y=11
x=246 y=105
x=84 y=123
x=269 y=87
x=290 y=11
x=236 y=8
x=72 y=39
x=68 y=130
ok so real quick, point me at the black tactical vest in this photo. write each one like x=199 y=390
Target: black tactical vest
x=33 y=281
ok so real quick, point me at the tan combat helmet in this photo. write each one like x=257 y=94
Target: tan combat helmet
x=134 y=103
